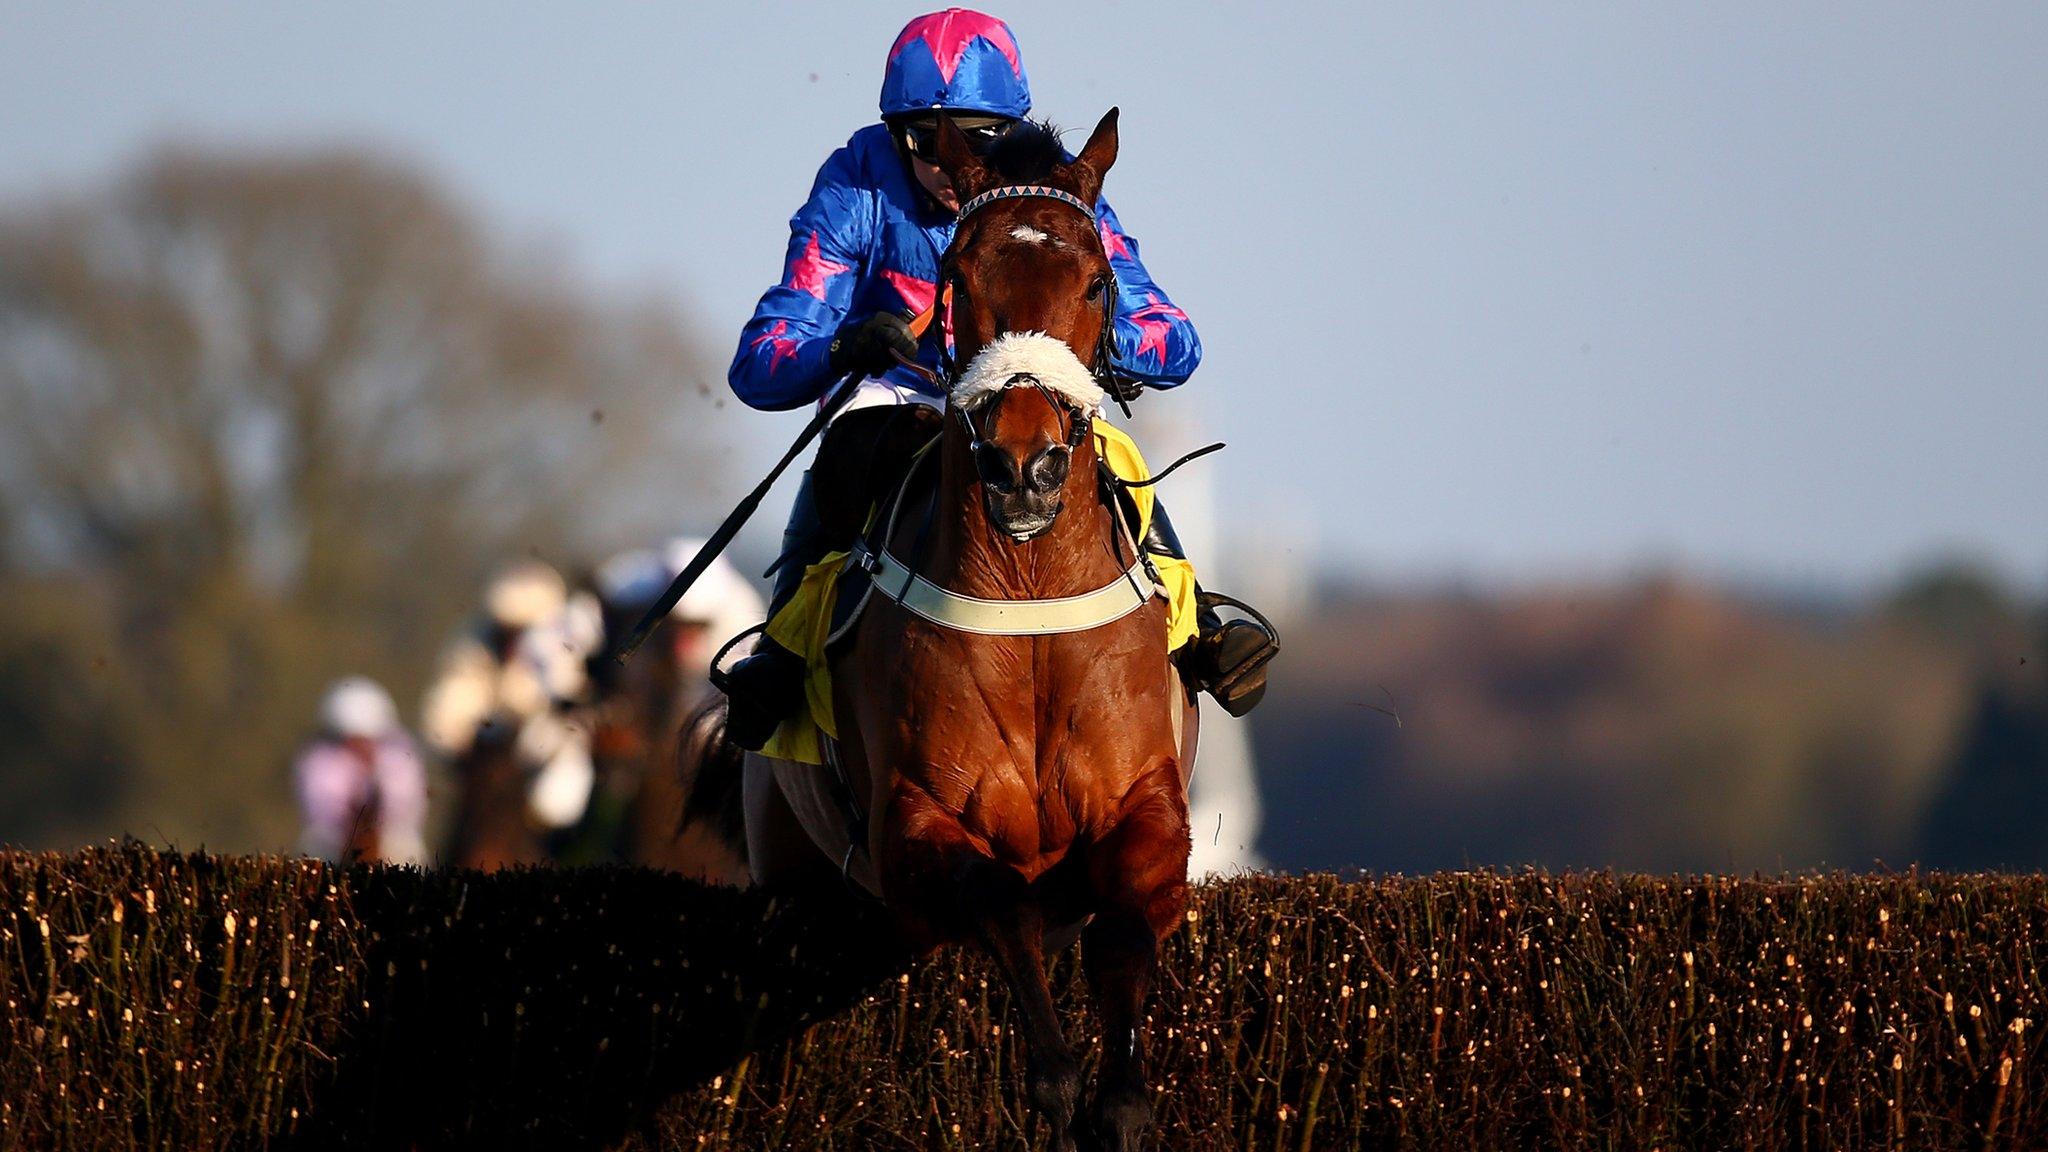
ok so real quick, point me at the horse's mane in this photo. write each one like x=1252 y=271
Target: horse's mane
x=1028 y=153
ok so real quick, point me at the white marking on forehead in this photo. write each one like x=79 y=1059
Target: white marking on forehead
x=1034 y=354
x=1028 y=234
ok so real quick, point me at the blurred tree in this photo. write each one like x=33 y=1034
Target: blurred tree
x=1665 y=726
x=58 y=758
x=1961 y=601
x=1992 y=811
x=269 y=420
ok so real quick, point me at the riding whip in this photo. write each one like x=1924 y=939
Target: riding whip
x=836 y=399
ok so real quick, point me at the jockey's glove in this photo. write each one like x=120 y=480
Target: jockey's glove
x=871 y=345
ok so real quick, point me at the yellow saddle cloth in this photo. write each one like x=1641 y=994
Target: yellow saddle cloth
x=804 y=623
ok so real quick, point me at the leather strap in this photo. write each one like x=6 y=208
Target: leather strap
x=1107 y=604
x=1016 y=191
x=942 y=301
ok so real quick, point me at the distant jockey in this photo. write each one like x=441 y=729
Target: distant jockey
x=513 y=677
x=644 y=704
x=863 y=260
x=362 y=791
x=719 y=606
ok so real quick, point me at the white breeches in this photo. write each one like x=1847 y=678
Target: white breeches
x=873 y=393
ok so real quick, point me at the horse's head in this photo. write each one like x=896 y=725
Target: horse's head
x=1025 y=402
x=1031 y=300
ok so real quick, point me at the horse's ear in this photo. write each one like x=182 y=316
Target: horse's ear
x=1092 y=165
x=968 y=175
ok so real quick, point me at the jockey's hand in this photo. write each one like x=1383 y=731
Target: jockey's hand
x=871 y=345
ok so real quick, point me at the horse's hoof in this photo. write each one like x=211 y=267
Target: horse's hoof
x=1066 y=1139
x=1056 y=1095
x=1120 y=1119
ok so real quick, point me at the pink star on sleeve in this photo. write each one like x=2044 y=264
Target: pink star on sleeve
x=780 y=348
x=1112 y=240
x=812 y=270
x=915 y=292
x=1154 y=321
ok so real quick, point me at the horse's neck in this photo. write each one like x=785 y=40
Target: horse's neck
x=969 y=556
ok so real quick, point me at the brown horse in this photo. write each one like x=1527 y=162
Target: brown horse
x=491 y=829
x=655 y=723
x=1014 y=787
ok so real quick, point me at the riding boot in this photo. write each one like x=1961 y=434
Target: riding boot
x=768 y=685
x=1226 y=659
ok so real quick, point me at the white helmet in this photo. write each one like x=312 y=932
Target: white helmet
x=358 y=706
x=720 y=596
x=524 y=593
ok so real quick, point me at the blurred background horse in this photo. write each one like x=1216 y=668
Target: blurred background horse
x=643 y=742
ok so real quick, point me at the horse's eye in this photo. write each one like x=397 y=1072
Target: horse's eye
x=1097 y=287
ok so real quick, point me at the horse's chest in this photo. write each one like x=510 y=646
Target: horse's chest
x=1032 y=745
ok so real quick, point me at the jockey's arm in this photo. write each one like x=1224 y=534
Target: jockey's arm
x=782 y=361
x=1155 y=342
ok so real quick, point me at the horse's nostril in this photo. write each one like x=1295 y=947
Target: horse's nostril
x=1048 y=470
x=996 y=468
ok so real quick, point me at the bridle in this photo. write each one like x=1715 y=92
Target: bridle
x=898 y=581
x=1074 y=422
x=1104 y=368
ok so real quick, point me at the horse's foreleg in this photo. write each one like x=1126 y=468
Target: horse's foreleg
x=1139 y=873
x=1012 y=927
x=949 y=876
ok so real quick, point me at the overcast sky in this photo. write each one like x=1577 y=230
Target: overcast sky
x=1506 y=293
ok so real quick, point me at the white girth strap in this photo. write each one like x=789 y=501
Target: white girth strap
x=1109 y=603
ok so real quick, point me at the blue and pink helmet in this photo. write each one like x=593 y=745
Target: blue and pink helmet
x=958 y=59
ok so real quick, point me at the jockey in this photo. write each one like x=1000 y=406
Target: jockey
x=719 y=606
x=360 y=784
x=514 y=676
x=863 y=260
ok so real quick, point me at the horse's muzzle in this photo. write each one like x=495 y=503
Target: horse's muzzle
x=1022 y=500
x=1020 y=516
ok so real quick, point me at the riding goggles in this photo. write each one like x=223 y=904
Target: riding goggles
x=921 y=137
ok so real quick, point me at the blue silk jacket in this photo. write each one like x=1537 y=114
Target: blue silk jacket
x=869 y=239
